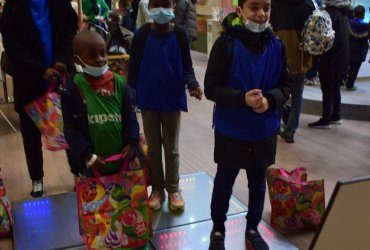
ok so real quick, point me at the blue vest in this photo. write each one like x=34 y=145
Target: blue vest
x=250 y=71
x=160 y=86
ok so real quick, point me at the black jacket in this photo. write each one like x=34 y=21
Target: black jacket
x=337 y=58
x=76 y=127
x=25 y=50
x=230 y=151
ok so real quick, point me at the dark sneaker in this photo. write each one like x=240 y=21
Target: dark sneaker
x=351 y=88
x=217 y=241
x=320 y=124
x=336 y=122
x=255 y=240
x=37 y=189
x=288 y=137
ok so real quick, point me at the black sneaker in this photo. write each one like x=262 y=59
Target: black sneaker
x=217 y=241
x=320 y=124
x=37 y=189
x=255 y=239
x=287 y=136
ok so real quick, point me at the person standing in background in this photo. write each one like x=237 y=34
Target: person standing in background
x=333 y=64
x=37 y=37
x=143 y=14
x=186 y=17
x=287 y=19
x=358 y=44
x=95 y=10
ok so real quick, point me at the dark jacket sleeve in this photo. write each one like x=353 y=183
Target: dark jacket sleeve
x=187 y=67
x=17 y=54
x=64 y=49
x=131 y=131
x=75 y=118
x=280 y=94
x=134 y=66
x=215 y=82
x=180 y=9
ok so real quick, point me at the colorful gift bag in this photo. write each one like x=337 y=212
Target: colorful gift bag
x=114 y=210
x=46 y=113
x=5 y=212
x=296 y=204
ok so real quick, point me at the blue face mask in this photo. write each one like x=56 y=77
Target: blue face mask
x=94 y=71
x=161 y=15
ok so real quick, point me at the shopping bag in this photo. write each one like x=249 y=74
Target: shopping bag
x=46 y=113
x=5 y=212
x=114 y=210
x=296 y=204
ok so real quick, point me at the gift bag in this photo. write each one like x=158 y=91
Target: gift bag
x=5 y=212
x=46 y=113
x=114 y=209
x=296 y=204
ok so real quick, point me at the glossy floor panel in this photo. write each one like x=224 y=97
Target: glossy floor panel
x=51 y=222
x=197 y=192
x=196 y=236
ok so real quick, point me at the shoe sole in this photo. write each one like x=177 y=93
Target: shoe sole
x=176 y=208
x=33 y=197
x=336 y=123
x=321 y=127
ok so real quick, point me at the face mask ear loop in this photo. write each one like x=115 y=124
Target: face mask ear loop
x=245 y=19
x=79 y=58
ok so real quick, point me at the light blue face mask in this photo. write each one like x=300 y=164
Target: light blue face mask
x=161 y=15
x=253 y=26
x=94 y=71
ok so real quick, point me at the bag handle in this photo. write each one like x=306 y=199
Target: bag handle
x=315 y=4
x=298 y=175
x=115 y=157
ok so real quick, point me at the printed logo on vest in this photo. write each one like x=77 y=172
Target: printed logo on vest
x=103 y=118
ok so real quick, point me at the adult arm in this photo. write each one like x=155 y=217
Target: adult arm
x=131 y=129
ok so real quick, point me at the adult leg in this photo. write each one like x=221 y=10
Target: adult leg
x=256 y=175
x=222 y=190
x=171 y=129
x=335 y=115
x=153 y=135
x=296 y=104
x=326 y=80
x=352 y=75
x=32 y=146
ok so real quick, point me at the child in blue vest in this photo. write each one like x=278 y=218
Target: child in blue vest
x=248 y=79
x=97 y=106
x=160 y=68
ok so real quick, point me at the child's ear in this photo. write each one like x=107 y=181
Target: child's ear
x=238 y=11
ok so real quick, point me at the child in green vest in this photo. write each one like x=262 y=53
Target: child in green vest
x=97 y=107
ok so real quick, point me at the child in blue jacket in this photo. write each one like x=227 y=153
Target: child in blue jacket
x=160 y=68
x=248 y=79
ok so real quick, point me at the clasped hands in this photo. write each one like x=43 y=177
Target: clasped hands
x=256 y=100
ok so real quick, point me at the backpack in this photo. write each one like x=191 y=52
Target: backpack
x=317 y=34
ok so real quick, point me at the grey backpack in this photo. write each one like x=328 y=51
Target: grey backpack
x=317 y=34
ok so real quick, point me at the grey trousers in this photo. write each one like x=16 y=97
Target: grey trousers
x=163 y=128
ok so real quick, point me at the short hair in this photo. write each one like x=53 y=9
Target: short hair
x=85 y=38
x=359 y=11
x=241 y=3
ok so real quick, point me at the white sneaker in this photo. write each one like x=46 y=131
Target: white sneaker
x=37 y=189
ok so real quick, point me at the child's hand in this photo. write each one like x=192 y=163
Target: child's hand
x=253 y=98
x=197 y=93
x=51 y=74
x=98 y=164
x=127 y=151
x=264 y=106
x=60 y=67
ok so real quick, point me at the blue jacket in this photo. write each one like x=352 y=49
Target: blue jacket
x=76 y=128
x=358 y=40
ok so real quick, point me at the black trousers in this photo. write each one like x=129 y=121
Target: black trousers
x=331 y=97
x=222 y=191
x=32 y=146
x=352 y=74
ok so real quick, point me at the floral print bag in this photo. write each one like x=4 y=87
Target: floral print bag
x=296 y=204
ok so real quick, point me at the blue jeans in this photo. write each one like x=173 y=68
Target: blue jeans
x=222 y=191
x=296 y=103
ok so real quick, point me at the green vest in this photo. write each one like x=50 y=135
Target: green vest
x=104 y=119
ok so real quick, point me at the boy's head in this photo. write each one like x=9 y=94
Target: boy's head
x=359 y=12
x=257 y=11
x=90 y=49
x=161 y=11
